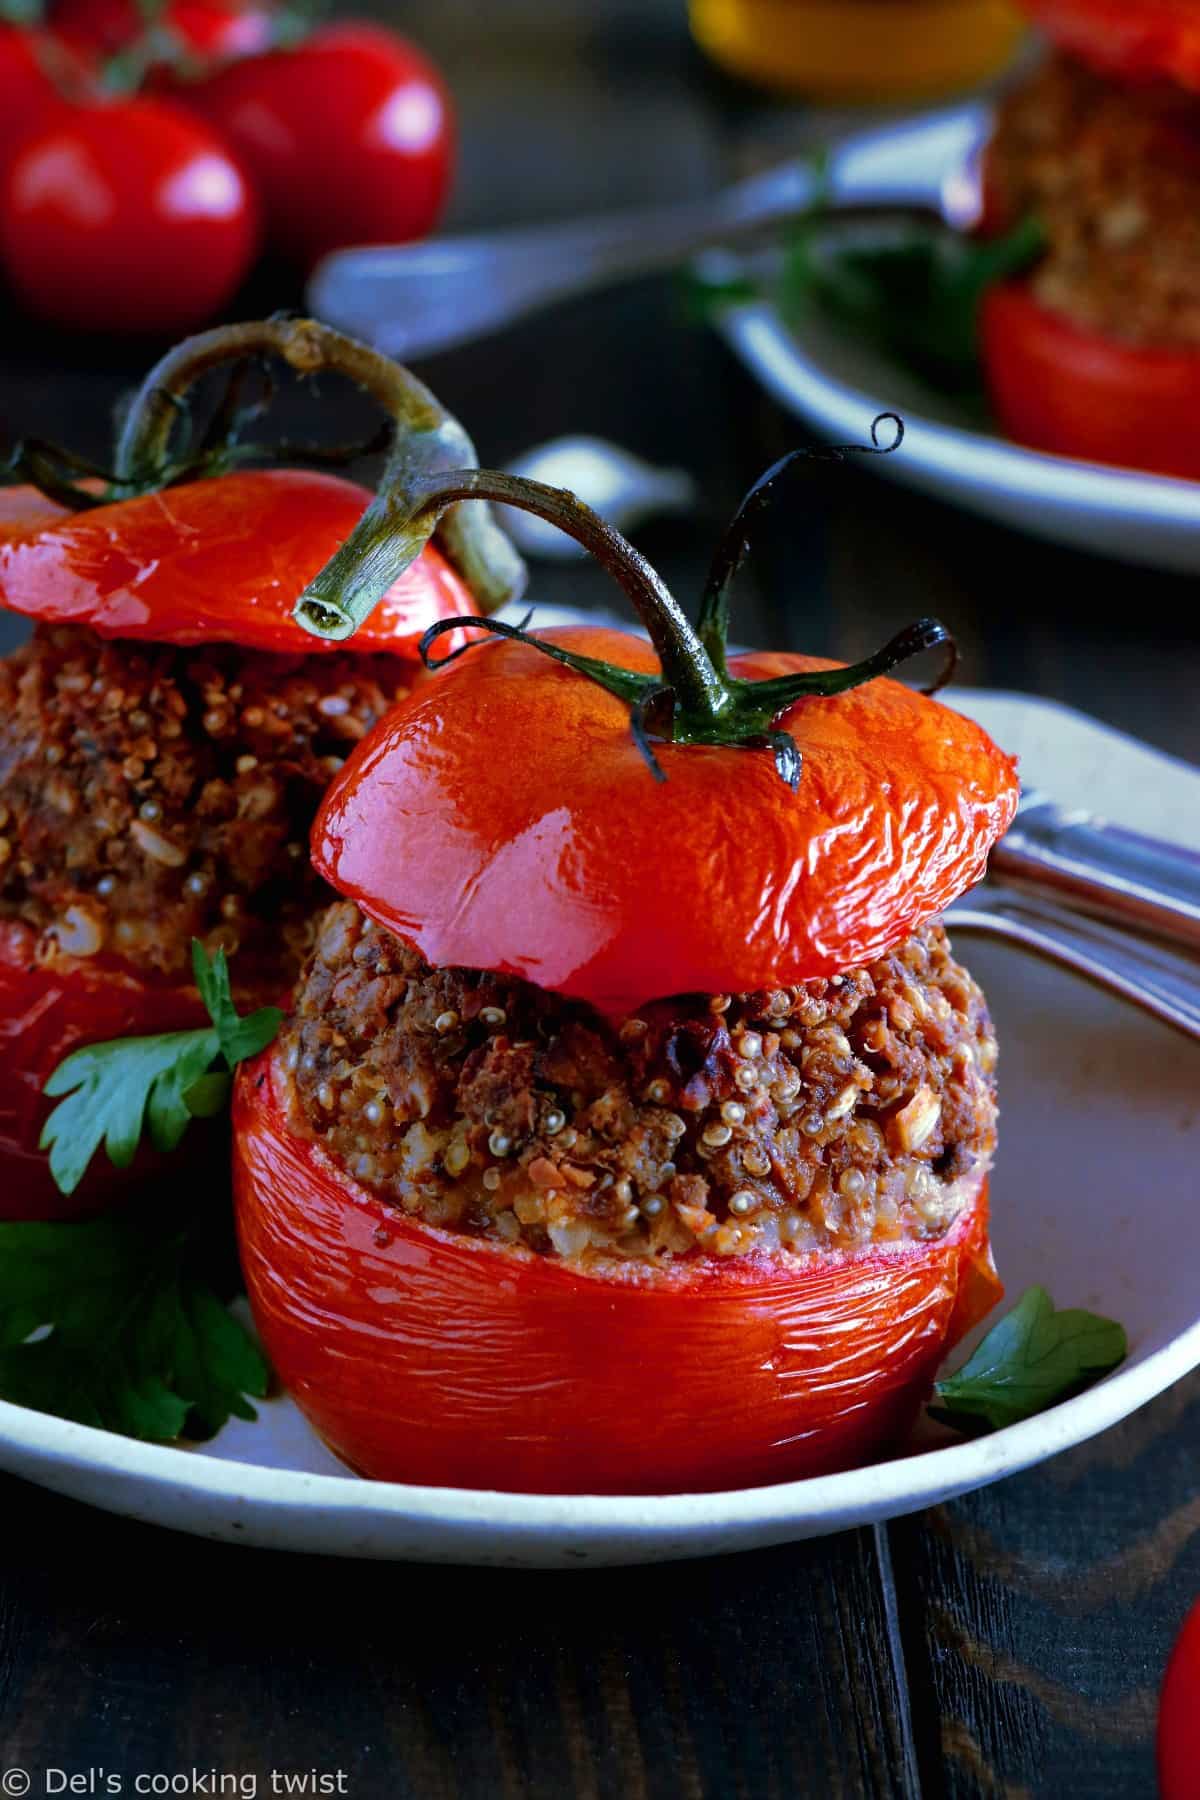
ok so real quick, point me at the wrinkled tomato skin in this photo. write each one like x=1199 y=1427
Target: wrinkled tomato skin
x=1074 y=392
x=348 y=138
x=1179 y=1716
x=46 y=1012
x=423 y=1356
x=218 y=561
x=1138 y=40
x=502 y=818
x=127 y=217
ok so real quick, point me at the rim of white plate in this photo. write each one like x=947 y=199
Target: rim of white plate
x=953 y=454
x=903 y=1483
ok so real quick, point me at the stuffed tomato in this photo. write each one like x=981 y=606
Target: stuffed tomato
x=632 y=1124
x=166 y=734
x=1096 y=352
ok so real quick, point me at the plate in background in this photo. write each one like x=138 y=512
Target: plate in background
x=838 y=384
x=1094 y=1195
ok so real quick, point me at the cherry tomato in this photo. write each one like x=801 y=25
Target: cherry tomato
x=1179 y=1716
x=1078 y=393
x=211 y=31
x=129 y=217
x=29 y=95
x=348 y=138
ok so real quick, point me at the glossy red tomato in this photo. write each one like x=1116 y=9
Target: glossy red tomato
x=348 y=138
x=30 y=61
x=425 y=1355
x=1138 y=39
x=127 y=217
x=1077 y=393
x=1179 y=1716
x=503 y=818
x=210 y=562
x=211 y=31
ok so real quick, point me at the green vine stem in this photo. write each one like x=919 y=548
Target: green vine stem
x=693 y=700
x=426 y=439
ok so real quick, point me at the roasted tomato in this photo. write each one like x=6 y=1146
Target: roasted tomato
x=1135 y=39
x=590 y=1237
x=1075 y=392
x=209 y=564
x=423 y=1355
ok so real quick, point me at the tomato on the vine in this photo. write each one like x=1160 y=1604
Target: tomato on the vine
x=348 y=138
x=130 y=216
x=208 y=31
x=29 y=94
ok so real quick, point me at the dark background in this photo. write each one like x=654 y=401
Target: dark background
x=1010 y=1644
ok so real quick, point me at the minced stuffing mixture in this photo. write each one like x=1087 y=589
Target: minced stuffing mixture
x=850 y=1110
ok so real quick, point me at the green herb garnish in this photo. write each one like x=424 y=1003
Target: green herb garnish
x=912 y=287
x=1035 y=1357
x=113 y=1323
x=115 y=1091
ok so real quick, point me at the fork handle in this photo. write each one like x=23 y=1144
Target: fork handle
x=1101 y=868
x=413 y=299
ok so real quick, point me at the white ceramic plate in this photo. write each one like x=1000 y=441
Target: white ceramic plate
x=837 y=385
x=1094 y=1195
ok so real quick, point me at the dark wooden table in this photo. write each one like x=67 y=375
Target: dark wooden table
x=1010 y=1644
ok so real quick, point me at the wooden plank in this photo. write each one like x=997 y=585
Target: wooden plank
x=1050 y=1603
x=761 y=1675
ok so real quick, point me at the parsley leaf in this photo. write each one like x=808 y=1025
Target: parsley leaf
x=115 y=1091
x=130 y=1335
x=239 y=1038
x=911 y=287
x=1035 y=1357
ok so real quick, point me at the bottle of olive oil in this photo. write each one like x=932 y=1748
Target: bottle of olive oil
x=858 y=49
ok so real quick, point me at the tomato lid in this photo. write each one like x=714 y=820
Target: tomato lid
x=217 y=561
x=1139 y=40
x=502 y=818
x=193 y=548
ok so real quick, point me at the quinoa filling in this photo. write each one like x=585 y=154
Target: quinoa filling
x=152 y=794
x=848 y=1111
x=1112 y=173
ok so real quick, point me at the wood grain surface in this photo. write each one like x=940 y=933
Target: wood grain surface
x=1010 y=1644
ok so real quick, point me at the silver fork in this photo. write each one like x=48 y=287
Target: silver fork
x=413 y=299
x=1148 y=975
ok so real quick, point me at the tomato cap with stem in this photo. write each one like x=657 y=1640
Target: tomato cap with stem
x=187 y=544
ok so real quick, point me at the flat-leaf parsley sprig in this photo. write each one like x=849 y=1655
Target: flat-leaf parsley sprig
x=116 y=1091
x=1034 y=1358
x=114 y=1323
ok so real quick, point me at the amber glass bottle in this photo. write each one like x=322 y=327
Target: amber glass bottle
x=858 y=49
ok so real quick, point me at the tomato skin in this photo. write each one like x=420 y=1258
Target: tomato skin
x=126 y=217
x=28 y=94
x=1140 y=42
x=1077 y=393
x=217 y=561
x=348 y=138
x=209 y=30
x=46 y=1011
x=423 y=1356
x=1179 y=1716
x=536 y=843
